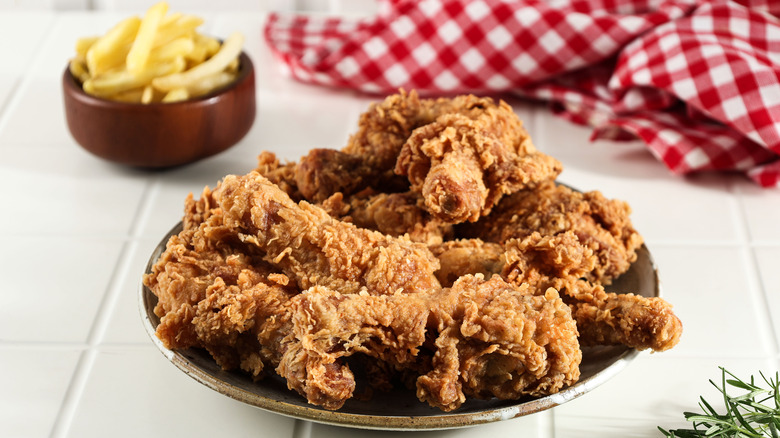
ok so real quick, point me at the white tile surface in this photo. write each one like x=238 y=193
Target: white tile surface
x=768 y=261
x=8 y=83
x=698 y=281
x=123 y=323
x=762 y=213
x=137 y=392
x=62 y=190
x=76 y=233
x=38 y=380
x=22 y=33
x=53 y=286
x=35 y=100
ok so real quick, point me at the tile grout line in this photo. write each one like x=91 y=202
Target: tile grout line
x=73 y=394
x=302 y=429
x=144 y=209
x=100 y=324
x=750 y=259
x=7 y=103
x=546 y=423
x=86 y=361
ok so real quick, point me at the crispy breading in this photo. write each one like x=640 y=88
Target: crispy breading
x=491 y=339
x=315 y=249
x=603 y=318
x=601 y=224
x=395 y=214
x=462 y=166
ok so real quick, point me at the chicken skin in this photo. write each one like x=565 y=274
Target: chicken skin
x=216 y=293
x=603 y=318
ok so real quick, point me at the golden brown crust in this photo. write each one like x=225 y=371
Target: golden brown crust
x=491 y=340
x=601 y=224
x=394 y=214
x=463 y=166
x=314 y=249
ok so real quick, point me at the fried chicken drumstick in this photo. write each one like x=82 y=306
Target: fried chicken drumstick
x=461 y=166
x=314 y=249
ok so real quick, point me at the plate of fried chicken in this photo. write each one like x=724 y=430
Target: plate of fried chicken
x=433 y=273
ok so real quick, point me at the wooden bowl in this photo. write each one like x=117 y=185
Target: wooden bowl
x=160 y=135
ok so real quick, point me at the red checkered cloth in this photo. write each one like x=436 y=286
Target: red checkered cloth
x=698 y=82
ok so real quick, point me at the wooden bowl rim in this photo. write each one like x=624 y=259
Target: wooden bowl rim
x=74 y=88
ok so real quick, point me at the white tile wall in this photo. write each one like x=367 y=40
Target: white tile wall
x=76 y=233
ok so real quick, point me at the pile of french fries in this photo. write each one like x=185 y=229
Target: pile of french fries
x=157 y=58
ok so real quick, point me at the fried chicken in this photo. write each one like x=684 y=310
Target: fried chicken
x=324 y=172
x=467 y=257
x=283 y=175
x=216 y=293
x=603 y=318
x=462 y=166
x=436 y=247
x=385 y=126
x=498 y=151
x=314 y=249
x=601 y=224
x=491 y=339
x=395 y=214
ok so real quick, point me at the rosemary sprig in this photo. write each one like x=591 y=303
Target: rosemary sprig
x=753 y=414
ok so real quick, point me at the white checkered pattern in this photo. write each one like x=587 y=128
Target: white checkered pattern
x=696 y=80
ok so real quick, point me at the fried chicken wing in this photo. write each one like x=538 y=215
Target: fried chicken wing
x=492 y=339
x=601 y=224
x=315 y=249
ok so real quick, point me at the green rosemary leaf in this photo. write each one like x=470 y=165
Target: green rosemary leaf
x=754 y=413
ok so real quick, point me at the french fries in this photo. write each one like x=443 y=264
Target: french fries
x=158 y=58
x=144 y=39
x=229 y=51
